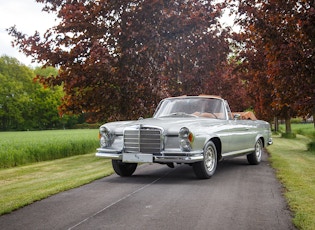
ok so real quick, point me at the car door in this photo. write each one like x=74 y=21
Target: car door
x=243 y=135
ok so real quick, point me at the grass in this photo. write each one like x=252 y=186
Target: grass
x=20 y=148
x=295 y=169
x=20 y=186
x=305 y=129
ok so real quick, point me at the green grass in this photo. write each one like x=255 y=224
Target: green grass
x=305 y=129
x=295 y=169
x=20 y=186
x=20 y=148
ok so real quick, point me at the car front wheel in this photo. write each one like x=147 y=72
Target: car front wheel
x=124 y=169
x=206 y=168
x=255 y=157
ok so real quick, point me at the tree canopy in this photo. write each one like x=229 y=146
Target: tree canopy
x=117 y=59
x=24 y=103
x=277 y=53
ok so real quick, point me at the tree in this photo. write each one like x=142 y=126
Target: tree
x=119 y=58
x=16 y=86
x=278 y=48
x=46 y=101
x=25 y=104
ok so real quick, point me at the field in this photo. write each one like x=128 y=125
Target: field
x=20 y=148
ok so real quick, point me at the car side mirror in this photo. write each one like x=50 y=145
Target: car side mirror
x=140 y=118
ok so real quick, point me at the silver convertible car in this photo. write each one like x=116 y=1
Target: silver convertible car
x=195 y=130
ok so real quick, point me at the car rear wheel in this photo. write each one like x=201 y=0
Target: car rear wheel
x=124 y=169
x=255 y=157
x=206 y=168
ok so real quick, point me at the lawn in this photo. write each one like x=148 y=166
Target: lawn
x=295 y=169
x=20 y=186
x=305 y=129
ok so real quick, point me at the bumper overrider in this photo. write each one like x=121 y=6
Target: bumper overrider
x=162 y=157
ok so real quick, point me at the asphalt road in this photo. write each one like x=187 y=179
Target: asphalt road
x=238 y=196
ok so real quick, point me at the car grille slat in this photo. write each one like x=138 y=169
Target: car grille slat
x=144 y=140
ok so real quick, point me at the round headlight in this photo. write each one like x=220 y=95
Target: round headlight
x=106 y=137
x=184 y=132
x=185 y=139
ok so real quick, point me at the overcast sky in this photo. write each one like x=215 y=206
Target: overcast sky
x=28 y=17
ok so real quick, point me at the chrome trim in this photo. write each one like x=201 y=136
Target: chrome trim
x=176 y=157
x=114 y=156
x=145 y=139
x=238 y=153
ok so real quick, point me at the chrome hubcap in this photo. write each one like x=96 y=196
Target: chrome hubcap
x=258 y=150
x=210 y=159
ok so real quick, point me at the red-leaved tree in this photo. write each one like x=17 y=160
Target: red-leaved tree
x=117 y=59
x=277 y=43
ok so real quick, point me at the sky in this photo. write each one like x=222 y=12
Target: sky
x=28 y=17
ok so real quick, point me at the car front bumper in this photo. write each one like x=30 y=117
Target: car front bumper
x=163 y=157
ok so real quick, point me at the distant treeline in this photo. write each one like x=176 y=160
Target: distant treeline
x=25 y=104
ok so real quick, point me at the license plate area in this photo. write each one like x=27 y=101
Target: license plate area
x=137 y=158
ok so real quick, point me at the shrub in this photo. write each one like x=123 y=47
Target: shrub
x=311 y=146
x=288 y=135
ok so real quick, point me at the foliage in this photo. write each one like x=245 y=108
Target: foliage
x=24 y=185
x=16 y=97
x=25 y=104
x=295 y=169
x=277 y=46
x=19 y=148
x=119 y=58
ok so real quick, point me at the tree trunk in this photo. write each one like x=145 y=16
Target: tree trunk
x=288 y=125
x=276 y=124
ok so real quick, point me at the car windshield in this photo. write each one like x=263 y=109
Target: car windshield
x=201 y=107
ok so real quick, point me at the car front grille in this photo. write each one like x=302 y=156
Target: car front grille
x=143 y=140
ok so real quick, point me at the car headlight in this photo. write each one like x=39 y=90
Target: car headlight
x=185 y=139
x=106 y=137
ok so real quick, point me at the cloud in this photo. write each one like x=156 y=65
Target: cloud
x=28 y=17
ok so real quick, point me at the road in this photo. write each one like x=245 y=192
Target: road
x=238 y=196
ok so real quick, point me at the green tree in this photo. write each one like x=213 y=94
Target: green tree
x=16 y=87
x=47 y=100
x=24 y=103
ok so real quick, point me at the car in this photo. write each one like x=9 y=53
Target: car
x=196 y=130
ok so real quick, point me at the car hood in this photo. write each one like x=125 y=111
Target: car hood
x=170 y=125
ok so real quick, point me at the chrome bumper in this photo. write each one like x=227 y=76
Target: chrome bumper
x=165 y=157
